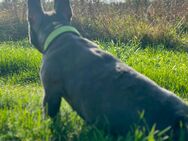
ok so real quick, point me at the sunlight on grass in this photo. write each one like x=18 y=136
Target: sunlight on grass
x=21 y=93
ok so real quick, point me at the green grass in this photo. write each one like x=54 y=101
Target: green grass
x=21 y=93
x=19 y=63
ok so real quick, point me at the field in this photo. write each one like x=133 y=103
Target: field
x=21 y=92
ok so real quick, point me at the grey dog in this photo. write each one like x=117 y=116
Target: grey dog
x=98 y=86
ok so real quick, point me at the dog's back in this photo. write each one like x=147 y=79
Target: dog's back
x=103 y=89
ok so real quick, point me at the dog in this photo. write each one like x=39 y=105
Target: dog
x=98 y=86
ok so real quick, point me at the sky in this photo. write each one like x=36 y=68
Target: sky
x=105 y=0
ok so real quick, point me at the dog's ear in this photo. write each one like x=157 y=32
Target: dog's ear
x=35 y=11
x=63 y=9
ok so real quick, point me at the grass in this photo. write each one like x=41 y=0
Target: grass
x=18 y=59
x=21 y=93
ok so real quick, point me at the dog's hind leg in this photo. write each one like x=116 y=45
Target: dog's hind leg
x=51 y=102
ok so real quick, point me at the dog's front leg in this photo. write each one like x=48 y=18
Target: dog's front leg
x=51 y=102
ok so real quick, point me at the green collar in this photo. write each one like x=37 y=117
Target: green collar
x=58 y=31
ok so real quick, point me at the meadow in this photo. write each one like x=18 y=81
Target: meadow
x=21 y=92
x=150 y=36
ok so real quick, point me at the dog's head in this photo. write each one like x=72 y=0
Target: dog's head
x=42 y=23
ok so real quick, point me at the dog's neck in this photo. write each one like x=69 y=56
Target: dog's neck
x=52 y=32
x=59 y=30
